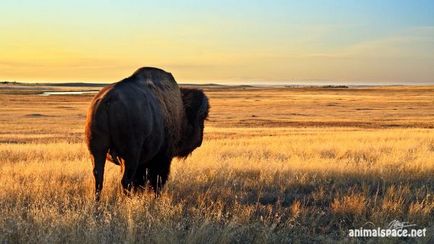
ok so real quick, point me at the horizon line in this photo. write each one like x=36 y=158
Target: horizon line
x=254 y=83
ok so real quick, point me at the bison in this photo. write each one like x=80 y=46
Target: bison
x=141 y=123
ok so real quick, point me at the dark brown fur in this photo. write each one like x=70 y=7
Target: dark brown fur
x=141 y=123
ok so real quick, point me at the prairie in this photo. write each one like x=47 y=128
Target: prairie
x=277 y=165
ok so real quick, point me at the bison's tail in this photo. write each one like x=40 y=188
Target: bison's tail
x=113 y=157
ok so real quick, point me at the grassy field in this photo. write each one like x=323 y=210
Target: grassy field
x=277 y=165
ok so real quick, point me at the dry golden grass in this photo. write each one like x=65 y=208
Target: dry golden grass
x=283 y=180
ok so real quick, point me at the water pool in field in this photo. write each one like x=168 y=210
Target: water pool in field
x=50 y=93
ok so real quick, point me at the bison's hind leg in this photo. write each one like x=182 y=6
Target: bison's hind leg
x=140 y=178
x=98 y=158
x=129 y=167
x=158 y=172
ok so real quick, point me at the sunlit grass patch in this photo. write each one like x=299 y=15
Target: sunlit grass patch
x=275 y=185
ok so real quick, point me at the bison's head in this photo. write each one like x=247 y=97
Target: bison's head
x=196 y=110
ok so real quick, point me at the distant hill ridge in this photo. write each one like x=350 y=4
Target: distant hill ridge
x=85 y=84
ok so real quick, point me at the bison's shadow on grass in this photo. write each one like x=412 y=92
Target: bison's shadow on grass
x=332 y=197
x=283 y=188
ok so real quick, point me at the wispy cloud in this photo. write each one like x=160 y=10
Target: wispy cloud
x=416 y=42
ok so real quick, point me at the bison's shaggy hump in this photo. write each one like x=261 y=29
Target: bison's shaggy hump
x=154 y=76
x=167 y=91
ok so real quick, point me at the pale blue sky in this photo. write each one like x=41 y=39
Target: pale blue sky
x=219 y=41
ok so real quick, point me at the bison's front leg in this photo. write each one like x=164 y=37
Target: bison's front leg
x=158 y=173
